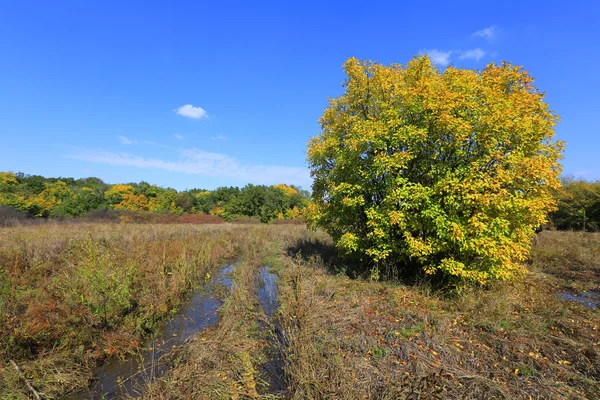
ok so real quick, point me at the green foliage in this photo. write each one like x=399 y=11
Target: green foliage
x=248 y=202
x=185 y=201
x=80 y=203
x=102 y=288
x=377 y=353
x=33 y=184
x=448 y=173
x=409 y=333
x=264 y=202
x=578 y=205
x=68 y=197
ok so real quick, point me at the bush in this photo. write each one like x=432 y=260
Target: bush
x=447 y=173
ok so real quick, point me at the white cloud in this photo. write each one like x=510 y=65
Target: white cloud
x=190 y=111
x=490 y=33
x=199 y=162
x=220 y=137
x=473 y=54
x=125 y=140
x=438 y=57
x=178 y=136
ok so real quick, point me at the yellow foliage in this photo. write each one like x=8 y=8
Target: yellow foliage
x=52 y=196
x=217 y=211
x=293 y=213
x=8 y=178
x=288 y=190
x=153 y=204
x=448 y=172
x=133 y=202
x=120 y=188
x=120 y=196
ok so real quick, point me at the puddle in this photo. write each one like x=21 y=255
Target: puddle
x=268 y=294
x=589 y=299
x=268 y=300
x=117 y=378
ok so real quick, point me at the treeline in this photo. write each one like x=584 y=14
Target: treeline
x=578 y=200
x=578 y=206
x=68 y=197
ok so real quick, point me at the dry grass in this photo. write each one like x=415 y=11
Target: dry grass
x=72 y=295
x=225 y=362
x=355 y=339
x=339 y=338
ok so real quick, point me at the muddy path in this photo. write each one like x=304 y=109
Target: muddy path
x=118 y=378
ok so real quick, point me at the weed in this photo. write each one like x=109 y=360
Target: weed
x=526 y=371
x=409 y=333
x=378 y=352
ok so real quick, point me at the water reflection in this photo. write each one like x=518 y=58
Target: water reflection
x=589 y=299
x=117 y=378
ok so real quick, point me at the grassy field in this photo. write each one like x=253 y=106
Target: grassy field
x=73 y=296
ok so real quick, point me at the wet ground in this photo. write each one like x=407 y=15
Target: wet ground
x=268 y=299
x=268 y=295
x=589 y=299
x=117 y=378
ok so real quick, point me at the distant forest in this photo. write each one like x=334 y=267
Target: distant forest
x=578 y=206
x=39 y=196
x=578 y=200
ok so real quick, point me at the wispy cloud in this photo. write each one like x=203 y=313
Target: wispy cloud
x=438 y=57
x=220 y=137
x=189 y=111
x=200 y=162
x=178 y=136
x=489 y=33
x=126 y=140
x=473 y=54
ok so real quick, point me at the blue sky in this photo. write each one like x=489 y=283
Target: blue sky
x=202 y=94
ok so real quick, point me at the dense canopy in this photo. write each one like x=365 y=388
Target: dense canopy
x=68 y=197
x=447 y=172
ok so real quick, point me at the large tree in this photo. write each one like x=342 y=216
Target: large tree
x=448 y=172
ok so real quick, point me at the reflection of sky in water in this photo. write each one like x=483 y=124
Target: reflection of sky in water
x=196 y=314
x=268 y=299
x=589 y=299
x=268 y=295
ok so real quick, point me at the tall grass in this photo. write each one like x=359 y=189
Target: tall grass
x=74 y=295
x=224 y=362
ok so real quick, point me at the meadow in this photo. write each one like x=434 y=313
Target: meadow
x=75 y=296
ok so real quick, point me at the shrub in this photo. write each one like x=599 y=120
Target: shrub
x=447 y=173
